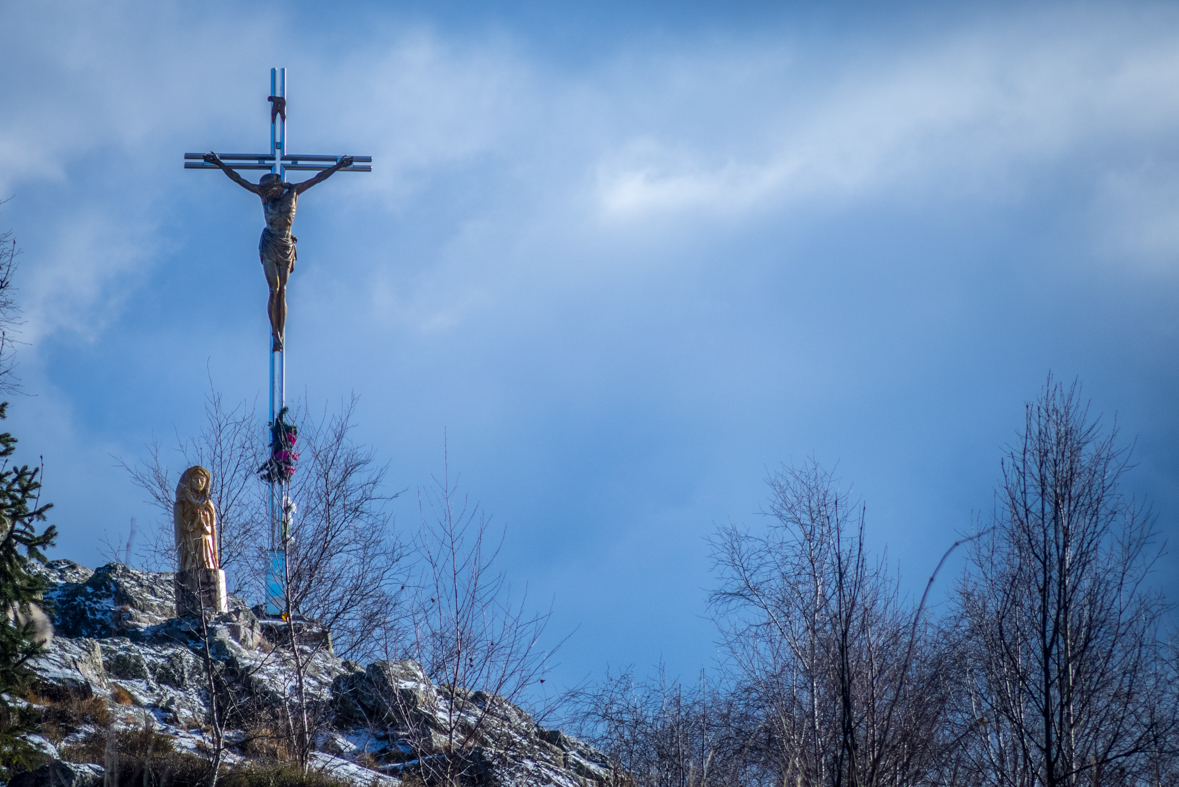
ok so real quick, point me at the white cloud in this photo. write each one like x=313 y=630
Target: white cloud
x=968 y=116
x=78 y=282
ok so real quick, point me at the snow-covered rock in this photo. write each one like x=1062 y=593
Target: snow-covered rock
x=117 y=639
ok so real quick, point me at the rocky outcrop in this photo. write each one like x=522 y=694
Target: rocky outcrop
x=112 y=601
x=58 y=773
x=117 y=642
x=381 y=695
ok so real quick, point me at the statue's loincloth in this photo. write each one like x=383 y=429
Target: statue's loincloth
x=278 y=249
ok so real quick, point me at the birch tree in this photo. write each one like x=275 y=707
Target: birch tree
x=1063 y=664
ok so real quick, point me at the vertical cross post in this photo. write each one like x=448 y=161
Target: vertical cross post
x=278 y=119
x=280 y=502
x=280 y=485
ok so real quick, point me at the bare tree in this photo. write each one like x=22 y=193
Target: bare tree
x=230 y=447
x=1063 y=676
x=343 y=560
x=470 y=634
x=827 y=656
x=661 y=733
x=343 y=565
x=214 y=684
x=9 y=315
x=340 y=590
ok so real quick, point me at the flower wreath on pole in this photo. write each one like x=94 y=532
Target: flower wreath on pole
x=281 y=464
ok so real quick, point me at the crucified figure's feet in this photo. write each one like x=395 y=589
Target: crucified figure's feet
x=276 y=344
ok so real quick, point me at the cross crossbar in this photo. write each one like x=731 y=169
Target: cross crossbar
x=256 y=161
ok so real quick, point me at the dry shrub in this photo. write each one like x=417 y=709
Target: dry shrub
x=145 y=757
x=91 y=749
x=172 y=769
x=276 y=774
x=59 y=718
x=267 y=741
x=367 y=760
x=121 y=696
x=412 y=780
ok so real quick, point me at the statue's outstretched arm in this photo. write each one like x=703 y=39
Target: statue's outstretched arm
x=322 y=176
x=211 y=158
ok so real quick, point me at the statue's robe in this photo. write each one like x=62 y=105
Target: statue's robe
x=195 y=523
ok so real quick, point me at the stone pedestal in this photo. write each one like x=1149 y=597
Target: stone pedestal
x=202 y=588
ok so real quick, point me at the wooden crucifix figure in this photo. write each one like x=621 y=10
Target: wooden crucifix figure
x=276 y=248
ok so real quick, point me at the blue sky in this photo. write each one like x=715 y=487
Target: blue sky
x=628 y=258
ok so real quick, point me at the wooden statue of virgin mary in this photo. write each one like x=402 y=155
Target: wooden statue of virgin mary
x=195 y=520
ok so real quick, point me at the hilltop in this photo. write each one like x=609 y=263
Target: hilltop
x=126 y=685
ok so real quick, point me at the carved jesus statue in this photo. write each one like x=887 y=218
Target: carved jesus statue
x=277 y=246
x=195 y=521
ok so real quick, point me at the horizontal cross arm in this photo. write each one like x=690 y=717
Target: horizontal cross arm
x=202 y=165
x=259 y=161
x=296 y=157
x=307 y=167
x=269 y=157
x=232 y=156
x=321 y=167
